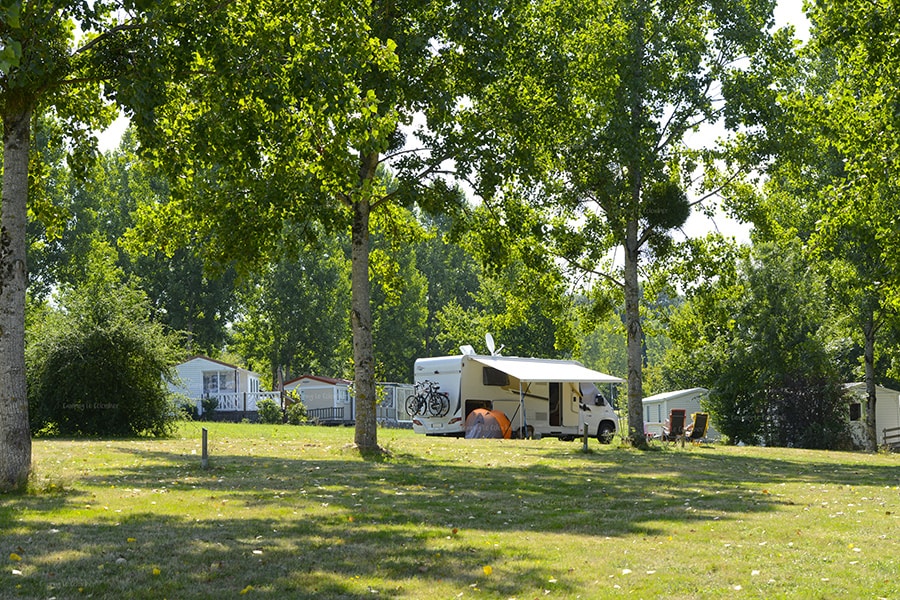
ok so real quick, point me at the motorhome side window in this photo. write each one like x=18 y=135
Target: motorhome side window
x=491 y=376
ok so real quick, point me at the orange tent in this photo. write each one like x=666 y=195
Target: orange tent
x=483 y=423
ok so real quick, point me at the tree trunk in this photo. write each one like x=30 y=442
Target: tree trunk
x=15 y=435
x=634 y=331
x=634 y=335
x=869 y=330
x=361 y=314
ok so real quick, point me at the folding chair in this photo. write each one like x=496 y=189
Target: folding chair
x=673 y=428
x=696 y=431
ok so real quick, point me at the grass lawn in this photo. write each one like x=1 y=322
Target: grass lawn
x=294 y=512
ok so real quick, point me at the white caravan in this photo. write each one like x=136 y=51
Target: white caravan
x=540 y=397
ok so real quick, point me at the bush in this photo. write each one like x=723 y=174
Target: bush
x=269 y=411
x=97 y=364
x=807 y=412
x=296 y=414
x=209 y=404
x=185 y=408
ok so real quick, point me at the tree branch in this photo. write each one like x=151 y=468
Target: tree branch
x=108 y=34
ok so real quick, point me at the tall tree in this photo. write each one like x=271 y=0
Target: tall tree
x=77 y=211
x=761 y=340
x=287 y=114
x=294 y=315
x=833 y=184
x=43 y=67
x=452 y=274
x=640 y=77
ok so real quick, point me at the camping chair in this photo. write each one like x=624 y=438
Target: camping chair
x=696 y=431
x=673 y=428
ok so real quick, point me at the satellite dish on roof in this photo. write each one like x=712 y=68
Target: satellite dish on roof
x=491 y=346
x=467 y=350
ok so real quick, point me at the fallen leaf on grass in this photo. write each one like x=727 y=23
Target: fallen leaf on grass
x=487 y=569
x=246 y=590
x=14 y=556
x=156 y=572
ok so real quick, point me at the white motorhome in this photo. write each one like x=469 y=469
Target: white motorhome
x=540 y=397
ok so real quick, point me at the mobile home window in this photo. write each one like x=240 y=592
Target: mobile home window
x=216 y=382
x=491 y=376
x=343 y=395
x=855 y=411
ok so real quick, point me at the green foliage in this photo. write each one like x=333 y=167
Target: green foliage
x=452 y=274
x=294 y=312
x=188 y=296
x=97 y=365
x=269 y=411
x=399 y=313
x=296 y=413
x=759 y=343
x=666 y=205
x=186 y=408
x=209 y=404
x=808 y=412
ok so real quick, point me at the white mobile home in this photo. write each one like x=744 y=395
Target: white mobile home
x=887 y=411
x=235 y=389
x=657 y=408
x=540 y=397
x=327 y=400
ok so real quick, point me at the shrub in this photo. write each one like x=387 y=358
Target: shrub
x=185 y=408
x=97 y=364
x=209 y=404
x=269 y=411
x=296 y=413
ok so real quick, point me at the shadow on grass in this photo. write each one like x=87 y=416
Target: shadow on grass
x=314 y=527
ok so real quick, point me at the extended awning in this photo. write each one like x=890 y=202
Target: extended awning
x=535 y=370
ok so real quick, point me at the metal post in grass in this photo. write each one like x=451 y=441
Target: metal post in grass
x=584 y=435
x=204 y=456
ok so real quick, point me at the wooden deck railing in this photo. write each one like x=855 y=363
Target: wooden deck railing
x=326 y=415
x=892 y=438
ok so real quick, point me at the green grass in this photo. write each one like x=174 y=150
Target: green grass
x=295 y=512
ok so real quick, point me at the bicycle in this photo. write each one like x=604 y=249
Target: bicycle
x=428 y=401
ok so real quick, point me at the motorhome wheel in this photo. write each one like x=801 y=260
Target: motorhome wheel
x=605 y=433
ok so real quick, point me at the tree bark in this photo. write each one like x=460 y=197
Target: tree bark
x=634 y=330
x=869 y=330
x=15 y=435
x=361 y=313
x=634 y=333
